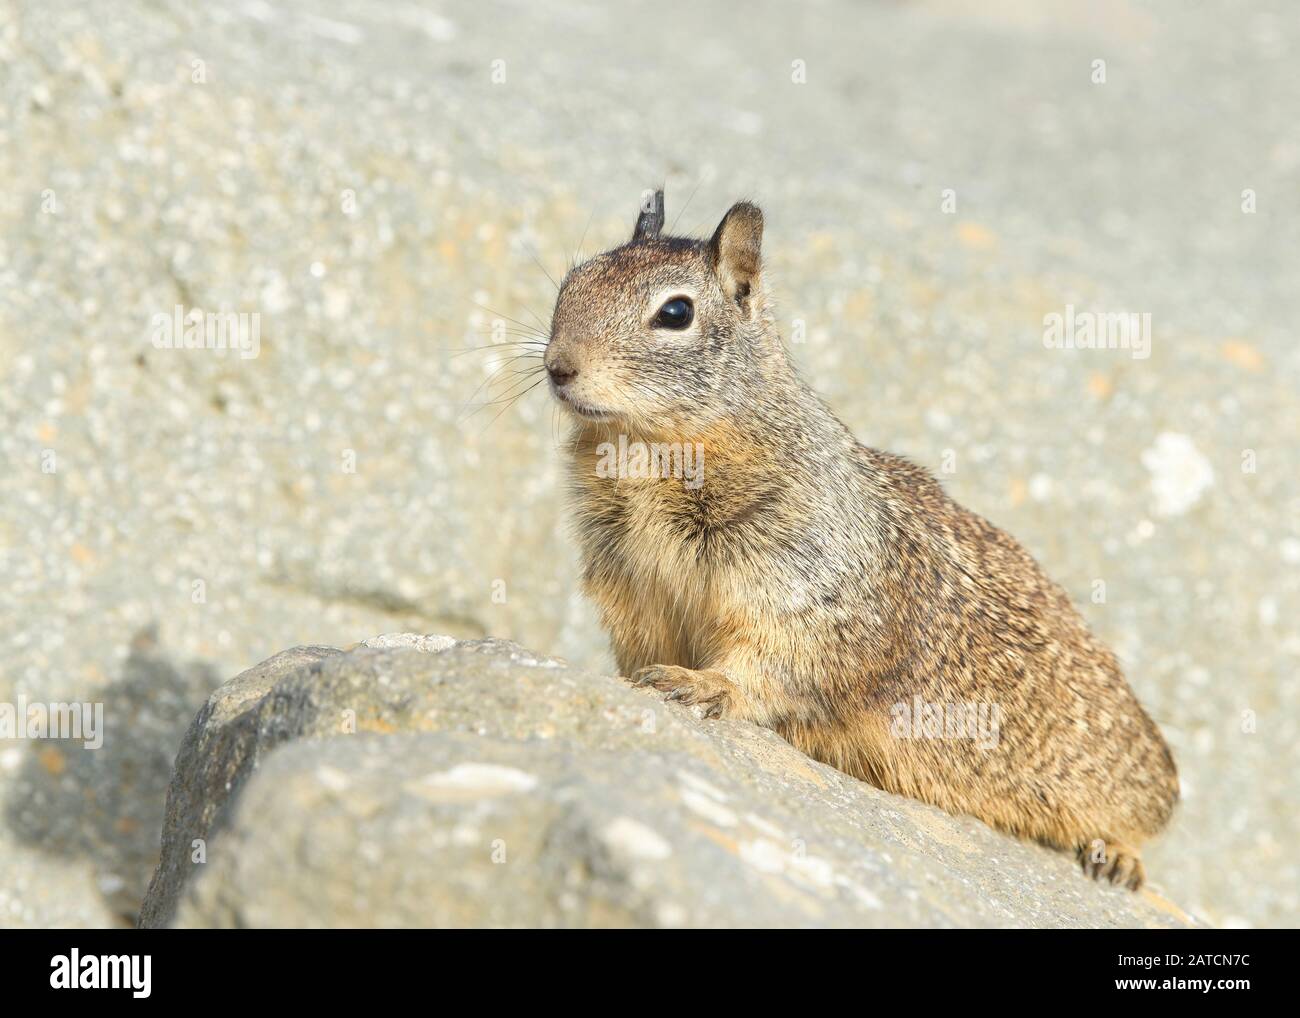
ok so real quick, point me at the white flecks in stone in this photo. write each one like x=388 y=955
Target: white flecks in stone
x=431 y=644
x=711 y=810
x=700 y=785
x=465 y=835
x=332 y=778
x=632 y=838
x=533 y=661
x=764 y=855
x=811 y=869
x=473 y=781
x=1142 y=532
x=339 y=31
x=768 y=856
x=863 y=896
x=764 y=825
x=275 y=295
x=1180 y=474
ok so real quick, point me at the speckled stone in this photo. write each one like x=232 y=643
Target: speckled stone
x=483 y=785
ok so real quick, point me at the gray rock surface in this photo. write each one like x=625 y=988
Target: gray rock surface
x=351 y=172
x=485 y=785
x=98 y=810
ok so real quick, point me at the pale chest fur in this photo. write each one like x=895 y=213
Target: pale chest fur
x=728 y=579
x=659 y=597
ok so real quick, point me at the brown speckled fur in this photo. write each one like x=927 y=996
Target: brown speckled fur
x=811 y=582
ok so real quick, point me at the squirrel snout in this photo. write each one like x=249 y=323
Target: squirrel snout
x=561 y=371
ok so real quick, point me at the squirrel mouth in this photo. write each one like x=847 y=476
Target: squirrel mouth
x=581 y=409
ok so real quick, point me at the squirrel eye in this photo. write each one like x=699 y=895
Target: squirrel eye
x=675 y=314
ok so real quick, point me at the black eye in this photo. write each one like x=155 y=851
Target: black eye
x=676 y=314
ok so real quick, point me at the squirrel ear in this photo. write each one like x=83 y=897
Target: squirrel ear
x=736 y=245
x=650 y=221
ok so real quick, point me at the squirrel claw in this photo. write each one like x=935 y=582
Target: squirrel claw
x=1116 y=863
x=708 y=689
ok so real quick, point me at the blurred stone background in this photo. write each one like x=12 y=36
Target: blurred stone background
x=379 y=181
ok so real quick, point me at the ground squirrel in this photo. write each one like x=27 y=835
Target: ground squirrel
x=818 y=587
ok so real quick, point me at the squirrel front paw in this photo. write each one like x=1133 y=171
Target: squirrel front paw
x=1113 y=861
x=709 y=689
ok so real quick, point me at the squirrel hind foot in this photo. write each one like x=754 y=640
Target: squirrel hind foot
x=1113 y=861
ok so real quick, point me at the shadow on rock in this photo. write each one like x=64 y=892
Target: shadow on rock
x=106 y=804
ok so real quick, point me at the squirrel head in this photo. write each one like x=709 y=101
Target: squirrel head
x=663 y=332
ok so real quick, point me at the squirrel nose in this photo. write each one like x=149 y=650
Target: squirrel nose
x=561 y=372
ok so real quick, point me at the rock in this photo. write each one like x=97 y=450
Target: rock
x=483 y=785
x=214 y=758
